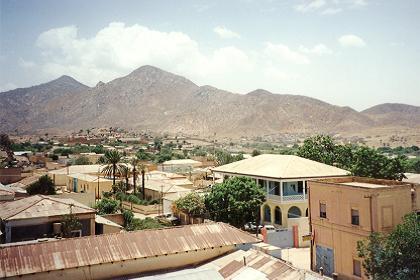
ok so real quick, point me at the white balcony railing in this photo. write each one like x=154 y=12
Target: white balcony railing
x=288 y=198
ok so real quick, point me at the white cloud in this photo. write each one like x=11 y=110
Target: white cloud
x=283 y=53
x=331 y=11
x=225 y=33
x=311 y=5
x=319 y=49
x=328 y=7
x=118 y=49
x=26 y=64
x=351 y=40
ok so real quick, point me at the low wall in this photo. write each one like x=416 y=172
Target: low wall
x=142 y=209
x=302 y=225
x=87 y=199
x=116 y=218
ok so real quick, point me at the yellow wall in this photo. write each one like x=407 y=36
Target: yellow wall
x=388 y=206
x=89 y=187
x=284 y=207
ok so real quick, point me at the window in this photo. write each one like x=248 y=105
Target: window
x=261 y=183
x=357 y=268
x=300 y=187
x=322 y=210
x=277 y=188
x=355 y=217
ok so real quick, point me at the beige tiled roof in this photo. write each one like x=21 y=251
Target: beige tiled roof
x=280 y=166
x=107 y=248
x=40 y=206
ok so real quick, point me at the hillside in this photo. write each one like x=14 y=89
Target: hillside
x=152 y=99
x=394 y=114
x=27 y=109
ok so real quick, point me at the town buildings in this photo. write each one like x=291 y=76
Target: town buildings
x=284 y=179
x=120 y=254
x=346 y=210
x=34 y=217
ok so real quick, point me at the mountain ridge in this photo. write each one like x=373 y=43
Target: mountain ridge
x=152 y=99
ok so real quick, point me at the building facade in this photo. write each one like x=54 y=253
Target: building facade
x=284 y=179
x=344 y=211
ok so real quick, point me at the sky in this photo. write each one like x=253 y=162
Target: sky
x=355 y=53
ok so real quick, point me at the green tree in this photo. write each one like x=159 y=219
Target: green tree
x=164 y=155
x=235 y=201
x=368 y=162
x=394 y=256
x=107 y=206
x=256 y=153
x=99 y=149
x=319 y=148
x=223 y=157
x=69 y=223
x=6 y=145
x=82 y=160
x=44 y=185
x=413 y=165
x=113 y=165
x=192 y=204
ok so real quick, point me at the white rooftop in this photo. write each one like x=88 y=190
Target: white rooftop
x=281 y=166
x=182 y=162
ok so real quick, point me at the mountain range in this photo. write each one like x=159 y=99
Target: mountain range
x=158 y=101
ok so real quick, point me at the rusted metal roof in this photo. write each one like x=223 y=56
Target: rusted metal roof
x=93 y=250
x=40 y=206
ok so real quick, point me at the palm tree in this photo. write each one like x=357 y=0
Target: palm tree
x=142 y=168
x=125 y=173
x=134 y=163
x=113 y=165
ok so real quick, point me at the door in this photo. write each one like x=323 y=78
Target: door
x=325 y=259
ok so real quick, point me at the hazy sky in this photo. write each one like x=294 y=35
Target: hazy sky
x=354 y=53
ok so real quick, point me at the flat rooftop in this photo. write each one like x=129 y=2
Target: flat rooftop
x=365 y=185
x=364 y=182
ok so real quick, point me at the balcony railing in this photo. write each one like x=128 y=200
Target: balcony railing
x=288 y=198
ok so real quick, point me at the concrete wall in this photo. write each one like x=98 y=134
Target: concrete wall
x=87 y=199
x=88 y=186
x=303 y=229
x=10 y=175
x=388 y=206
x=129 y=267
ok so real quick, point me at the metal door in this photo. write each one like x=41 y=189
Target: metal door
x=325 y=259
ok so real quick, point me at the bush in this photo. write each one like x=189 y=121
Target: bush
x=107 y=206
x=44 y=185
x=134 y=199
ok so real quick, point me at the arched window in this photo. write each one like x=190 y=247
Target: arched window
x=277 y=216
x=307 y=212
x=294 y=212
x=267 y=213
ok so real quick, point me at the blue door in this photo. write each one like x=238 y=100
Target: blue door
x=75 y=184
x=325 y=259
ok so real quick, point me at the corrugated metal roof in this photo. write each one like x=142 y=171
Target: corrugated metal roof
x=280 y=166
x=92 y=250
x=40 y=206
x=259 y=264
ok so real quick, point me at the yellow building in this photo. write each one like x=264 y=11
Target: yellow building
x=346 y=210
x=88 y=184
x=284 y=179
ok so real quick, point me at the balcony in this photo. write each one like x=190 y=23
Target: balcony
x=288 y=198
